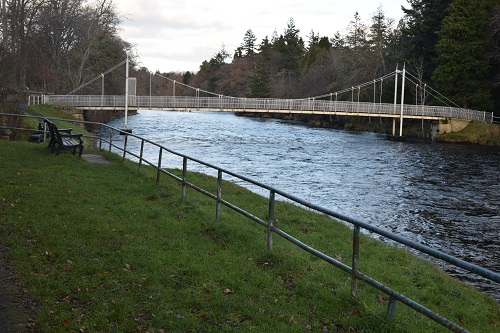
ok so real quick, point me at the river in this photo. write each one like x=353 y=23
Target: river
x=442 y=195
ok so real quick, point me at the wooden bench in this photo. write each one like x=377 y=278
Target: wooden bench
x=61 y=139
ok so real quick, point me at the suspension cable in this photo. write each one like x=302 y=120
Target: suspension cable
x=83 y=85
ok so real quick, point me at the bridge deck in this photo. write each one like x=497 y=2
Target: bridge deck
x=260 y=105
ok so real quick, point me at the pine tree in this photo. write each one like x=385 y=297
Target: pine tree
x=248 y=45
x=259 y=84
x=357 y=33
x=419 y=34
x=316 y=45
x=463 y=67
x=292 y=49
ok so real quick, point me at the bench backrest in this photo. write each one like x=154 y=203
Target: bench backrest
x=55 y=135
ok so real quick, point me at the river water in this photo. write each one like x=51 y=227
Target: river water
x=442 y=195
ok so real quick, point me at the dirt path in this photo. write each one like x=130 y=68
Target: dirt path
x=16 y=308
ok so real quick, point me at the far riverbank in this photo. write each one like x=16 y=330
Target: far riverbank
x=478 y=133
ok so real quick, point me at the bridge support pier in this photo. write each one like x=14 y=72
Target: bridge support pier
x=447 y=126
x=102 y=116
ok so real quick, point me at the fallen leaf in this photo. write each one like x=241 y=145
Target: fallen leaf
x=339 y=258
x=381 y=299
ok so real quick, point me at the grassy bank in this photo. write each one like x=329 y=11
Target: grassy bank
x=476 y=133
x=103 y=249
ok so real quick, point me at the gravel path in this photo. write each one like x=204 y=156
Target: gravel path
x=16 y=308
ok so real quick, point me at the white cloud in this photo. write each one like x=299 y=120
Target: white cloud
x=177 y=35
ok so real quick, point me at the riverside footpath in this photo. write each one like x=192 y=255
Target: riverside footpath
x=17 y=310
x=15 y=305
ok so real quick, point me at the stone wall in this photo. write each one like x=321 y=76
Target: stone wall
x=448 y=126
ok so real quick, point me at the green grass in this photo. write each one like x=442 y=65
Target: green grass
x=476 y=133
x=101 y=248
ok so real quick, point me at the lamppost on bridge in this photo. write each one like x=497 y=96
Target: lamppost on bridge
x=374 y=91
x=381 y=90
x=102 y=90
x=416 y=94
x=150 y=76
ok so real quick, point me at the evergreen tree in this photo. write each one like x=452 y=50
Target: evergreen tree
x=338 y=41
x=419 y=35
x=357 y=33
x=186 y=77
x=248 y=46
x=316 y=46
x=265 y=46
x=291 y=47
x=463 y=67
x=259 y=84
x=495 y=34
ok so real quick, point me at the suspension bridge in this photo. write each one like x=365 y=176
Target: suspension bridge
x=444 y=118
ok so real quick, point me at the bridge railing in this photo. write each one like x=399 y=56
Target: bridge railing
x=225 y=103
x=135 y=147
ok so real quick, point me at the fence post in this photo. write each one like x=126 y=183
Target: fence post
x=184 y=176
x=125 y=147
x=391 y=308
x=355 y=262
x=100 y=136
x=219 y=195
x=140 y=156
x=159 y=166
x=270 y=220
x=110 y=140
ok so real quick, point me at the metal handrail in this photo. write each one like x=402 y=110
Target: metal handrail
x=107 y=135
x=224 y=103
x=272 y=229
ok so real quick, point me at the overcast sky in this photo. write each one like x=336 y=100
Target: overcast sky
x=178 y=35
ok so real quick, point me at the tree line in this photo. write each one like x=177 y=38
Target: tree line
x=451 y=45
x=57 y=45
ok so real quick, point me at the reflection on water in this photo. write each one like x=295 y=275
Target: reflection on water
x=443 y=196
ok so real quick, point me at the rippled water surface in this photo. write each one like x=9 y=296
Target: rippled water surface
x=441 y=195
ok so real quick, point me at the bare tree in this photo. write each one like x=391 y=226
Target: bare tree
x=379 y=35
x=21 y=26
